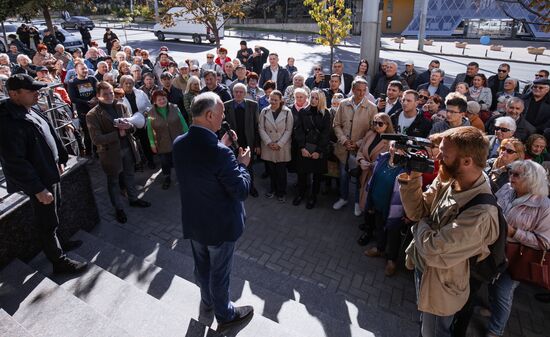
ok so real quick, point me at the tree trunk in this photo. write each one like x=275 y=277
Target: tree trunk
x=331 y=54
x=216 y=32
x=47 y=17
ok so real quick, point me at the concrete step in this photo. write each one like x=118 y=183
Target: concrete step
x=9 y=327
x=127 y=306
x=283 y=298
x=45 y=309
x=181 y=296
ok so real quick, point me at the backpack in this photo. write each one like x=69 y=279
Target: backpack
x=489 y=269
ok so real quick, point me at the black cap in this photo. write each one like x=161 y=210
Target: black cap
x=41 y=68
x=543 y=81
x=24 y=81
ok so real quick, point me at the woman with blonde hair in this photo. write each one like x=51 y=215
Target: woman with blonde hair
x=510 y=150
x=193 y=89
x=311 y=135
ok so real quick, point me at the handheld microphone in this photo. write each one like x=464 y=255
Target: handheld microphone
x=227 y=130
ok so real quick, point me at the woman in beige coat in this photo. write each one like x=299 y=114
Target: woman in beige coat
x=275 y=128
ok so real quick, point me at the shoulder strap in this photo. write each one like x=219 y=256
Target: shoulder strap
x=480 y=199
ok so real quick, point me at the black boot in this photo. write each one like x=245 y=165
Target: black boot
x=166 y=183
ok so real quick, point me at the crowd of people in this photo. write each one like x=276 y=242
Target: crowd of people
x=325 y=128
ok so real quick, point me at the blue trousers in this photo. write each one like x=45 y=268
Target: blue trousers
x=501 y=296
x=432 y=325
x=212 y=272
x=344 y=184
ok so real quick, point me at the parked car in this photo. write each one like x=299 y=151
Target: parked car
x=10 y=29
x=185 y=27
x=76 y=21
x=72 y=41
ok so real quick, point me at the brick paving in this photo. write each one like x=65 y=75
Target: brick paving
x=317 y=246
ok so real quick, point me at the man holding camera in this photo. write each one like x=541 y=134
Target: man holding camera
x=444 y=239
x=116 y=147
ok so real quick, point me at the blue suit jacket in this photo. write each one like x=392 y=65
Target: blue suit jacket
x=213 y=186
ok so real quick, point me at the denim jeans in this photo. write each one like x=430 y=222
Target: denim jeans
x=501 y=296
x=212 y=271
x=432 y=325
x=344 y=184
x=166 y=163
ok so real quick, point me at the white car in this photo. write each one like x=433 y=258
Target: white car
x=72 y=41
x=185 y=27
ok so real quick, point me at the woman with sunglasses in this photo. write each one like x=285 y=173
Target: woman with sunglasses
x=526 y=207
x=372 y=145
x=510 y=150
x=423 y=95
x=504 y=128
x=311 y=134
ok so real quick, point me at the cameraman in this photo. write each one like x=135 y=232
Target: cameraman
x=442 y=241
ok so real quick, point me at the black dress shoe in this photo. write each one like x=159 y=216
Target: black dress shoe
x=254 y=192
x=363 y=226
x=364 y=239
x=68 y=266
x=241 y=315
x=297 y=200
x=543 y=297
x=71 y=245
x=311 y=203
x=121 y=216
x=140 y=203
x=166 y=183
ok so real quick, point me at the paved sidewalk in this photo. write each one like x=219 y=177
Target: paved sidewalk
x=316 y=245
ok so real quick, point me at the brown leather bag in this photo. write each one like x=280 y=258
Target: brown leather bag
x=529 y=265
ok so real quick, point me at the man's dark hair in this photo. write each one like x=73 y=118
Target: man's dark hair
x=458 y=102
x=269 y=84
x=102 y=86
x=411 y=92
x=274 y=54
x=435 y=61
x=396 y=84
x=203 y=103
x=148 y=74
x=474 y=64
x=545 y=72
x=505 y=65
x=209 y=72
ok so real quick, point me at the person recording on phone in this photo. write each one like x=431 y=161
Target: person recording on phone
x=444 y=239
x=112 y=133
x=211 y=177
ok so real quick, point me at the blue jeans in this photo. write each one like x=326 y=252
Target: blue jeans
x=212 y=271
x=432 y=325
x=501 y=296
x=344 y=184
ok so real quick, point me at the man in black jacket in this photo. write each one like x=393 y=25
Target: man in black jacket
x=409 y=120
x=257 y=60
x=345 y=78
x=514 y=109
x=276 y=73
x=211 y=84
x=108 y=39
x=32 y=158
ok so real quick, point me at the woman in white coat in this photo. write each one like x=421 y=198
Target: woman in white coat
x=275 y=128
x=138 y=103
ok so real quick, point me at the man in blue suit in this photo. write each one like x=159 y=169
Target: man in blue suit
x=209 y=176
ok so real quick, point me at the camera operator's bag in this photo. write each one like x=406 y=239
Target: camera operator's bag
x=489 y=269
x=528 y=264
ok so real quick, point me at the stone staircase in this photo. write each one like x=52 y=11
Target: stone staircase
x=137 y=287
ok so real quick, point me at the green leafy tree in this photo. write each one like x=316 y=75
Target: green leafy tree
x=206 y=12
x=333 y=19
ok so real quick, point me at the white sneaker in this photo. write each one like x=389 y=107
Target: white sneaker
x=339 y=204
x=357 y=210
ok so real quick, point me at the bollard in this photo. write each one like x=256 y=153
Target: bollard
x=511 y=55
x=463 y=49
x=441 y=50
x=486 y=52
x=536 y=56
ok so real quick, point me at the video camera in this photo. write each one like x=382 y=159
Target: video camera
x=413 y=157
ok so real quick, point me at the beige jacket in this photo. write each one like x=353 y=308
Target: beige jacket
x=443 y=243
x=345 y=118
x=278 y=131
